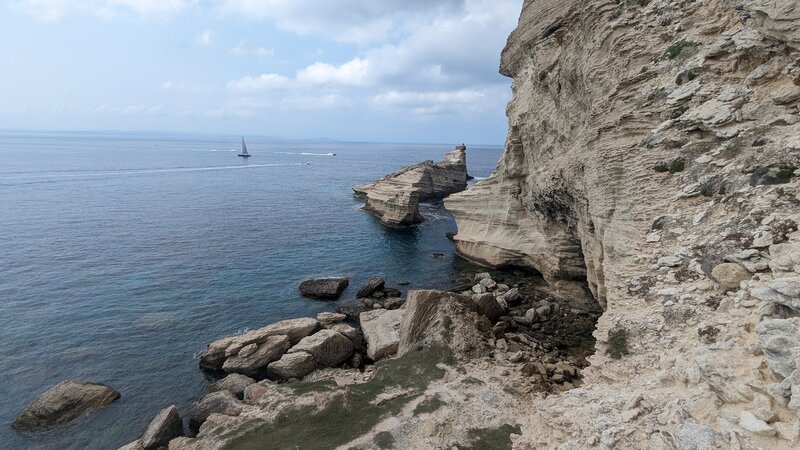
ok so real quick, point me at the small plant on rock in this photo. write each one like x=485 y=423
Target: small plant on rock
x=618 y=343
x=674 y=50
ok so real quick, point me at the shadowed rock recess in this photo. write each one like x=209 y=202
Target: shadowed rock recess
x=651 y=160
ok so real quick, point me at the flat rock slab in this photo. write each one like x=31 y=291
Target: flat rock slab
x=292 y=365
x=324 y=288
x=63 y=403
x=381 y=329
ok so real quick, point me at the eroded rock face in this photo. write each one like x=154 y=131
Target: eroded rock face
x=328 y=348
x=222 y=402
x=235 y=383
x=292 y=365
x=395 y=198
x=63 y=403
x=257 y=358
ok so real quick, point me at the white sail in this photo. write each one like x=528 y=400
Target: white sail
x=244 y=147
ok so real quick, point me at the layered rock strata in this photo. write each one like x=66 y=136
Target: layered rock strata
x=652 y=154
x=395 y=199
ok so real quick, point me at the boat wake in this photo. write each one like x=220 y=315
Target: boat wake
x=307 y=153
x=106 y=173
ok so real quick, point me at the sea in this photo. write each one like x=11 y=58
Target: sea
x=123 y=254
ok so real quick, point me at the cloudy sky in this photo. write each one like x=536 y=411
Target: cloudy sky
x=377 y=70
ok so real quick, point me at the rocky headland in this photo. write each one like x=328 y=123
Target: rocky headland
x=650 y=179
x=395 y=199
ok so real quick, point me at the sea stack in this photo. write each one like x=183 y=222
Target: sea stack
x=395 y=199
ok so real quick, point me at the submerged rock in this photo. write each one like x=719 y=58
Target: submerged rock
x=63 y=403
x=164 y=427
x=324 y=288
x=395 y=198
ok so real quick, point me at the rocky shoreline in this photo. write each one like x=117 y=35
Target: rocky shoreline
x=278 y=373
x=502 y=322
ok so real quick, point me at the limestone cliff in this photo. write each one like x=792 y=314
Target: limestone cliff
x=395 y=198
x=652 y=154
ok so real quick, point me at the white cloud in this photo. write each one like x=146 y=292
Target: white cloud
x=310 y=102
x=266 y=81
x=54 y=10
x=205 y=37
x=243 y=49
x=435 y=102
x=352 y=73
x=138 y=110
x=355 y=21
x=153 y=8
x=47 y=10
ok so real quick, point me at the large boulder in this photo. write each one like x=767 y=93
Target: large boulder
x=222 y=402
x=235 y=383
x=328 y=348
x=443 y=319
x=292 y=365
x=324 y=288
x=254 y=358
x=381 y=331
x=164 y=427
x=217 y=351
x=488 y=306
x=63 y=403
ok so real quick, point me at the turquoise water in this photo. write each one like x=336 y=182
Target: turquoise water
x=122 y=256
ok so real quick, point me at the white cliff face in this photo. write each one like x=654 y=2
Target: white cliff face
x=650 y=142
x=395 y=198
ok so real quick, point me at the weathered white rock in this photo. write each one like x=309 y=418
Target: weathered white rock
x=257 y=361
x=395 y=198
x=292 y=365
x=222 y=402
x=328 y=348
x=217 y=351
x=164 y=427
x=381 y=331
x=754 y=425
x=730 y=275
x=235 y=383
x=330 y=318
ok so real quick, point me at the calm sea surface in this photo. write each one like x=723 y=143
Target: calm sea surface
x=122 y=256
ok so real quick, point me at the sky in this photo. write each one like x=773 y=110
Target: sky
x=364 y=70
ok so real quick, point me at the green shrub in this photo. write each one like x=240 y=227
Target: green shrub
x=618 y=343
x=677 y=165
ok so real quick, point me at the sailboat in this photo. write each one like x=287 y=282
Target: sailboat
x=244 y=153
